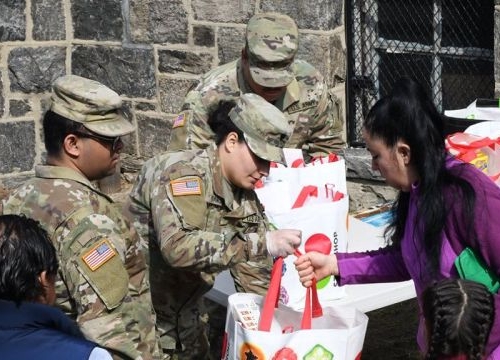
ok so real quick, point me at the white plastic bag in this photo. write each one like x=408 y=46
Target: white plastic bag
x=336 y=332
x=314 y=200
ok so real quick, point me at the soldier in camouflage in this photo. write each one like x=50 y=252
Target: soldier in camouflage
x=267 y=67
x=102 y=281
x=199 y=214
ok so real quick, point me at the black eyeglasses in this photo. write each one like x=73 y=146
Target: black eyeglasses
x=114 y=141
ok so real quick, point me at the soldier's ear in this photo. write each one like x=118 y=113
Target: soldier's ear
x=71 y=145
x=231 y=141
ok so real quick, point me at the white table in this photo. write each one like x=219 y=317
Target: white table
x=365 y=297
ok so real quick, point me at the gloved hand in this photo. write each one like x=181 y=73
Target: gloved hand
x=283 y=242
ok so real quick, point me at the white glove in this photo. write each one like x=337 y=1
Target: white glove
x=283 y=242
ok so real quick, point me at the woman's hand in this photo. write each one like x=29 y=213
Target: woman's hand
x=315 y=265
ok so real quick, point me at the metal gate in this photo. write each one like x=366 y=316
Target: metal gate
x=445 y=44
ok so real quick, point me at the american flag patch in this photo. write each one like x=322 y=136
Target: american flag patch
x=179 y=121
x=186 y=186
x=98 y=255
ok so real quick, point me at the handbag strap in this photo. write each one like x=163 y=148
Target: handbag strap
x=312 y=306
x=271 y=298
x=312 y=301
x=305 y=193
x=331 y=157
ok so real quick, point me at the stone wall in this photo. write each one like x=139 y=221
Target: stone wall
x=152 y=52
x=149 y=51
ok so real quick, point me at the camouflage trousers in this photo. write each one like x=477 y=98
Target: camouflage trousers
x=185 y=337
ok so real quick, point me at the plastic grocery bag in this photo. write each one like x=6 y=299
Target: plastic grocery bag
x=314 y=200
x=336 y=332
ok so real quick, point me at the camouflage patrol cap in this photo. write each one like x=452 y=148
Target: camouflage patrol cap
x=272 y=42
x=264 y=127
x=90 y=103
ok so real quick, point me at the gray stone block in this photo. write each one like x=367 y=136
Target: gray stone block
x=1 y=98
x=129 y=144
x=19 y=107
x=234 y=11
x=97 y=20
x=17 y=146
x=338 y=58
x=32 y=70
x=48 y=20
x=315 y=15
x=173 y=92
x=365 y=194
x=12 y=20
x=231 y=42
x=154 y=134
x=173 y=61
x=203 y=36
x=128 y=71
x=359 y=164
x=158 y=21
x=315 y=49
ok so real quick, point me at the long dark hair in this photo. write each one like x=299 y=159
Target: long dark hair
x=408 y=114
x=459 y=315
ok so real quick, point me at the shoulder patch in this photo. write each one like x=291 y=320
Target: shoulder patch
x=190 y=185
x=98 y=255
x=179 y=121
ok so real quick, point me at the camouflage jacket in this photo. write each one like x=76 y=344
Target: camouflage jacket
x=196 y=225
x=312 y=110
x=102 y=280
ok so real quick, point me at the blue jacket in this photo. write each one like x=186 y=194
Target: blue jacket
x=37 y=331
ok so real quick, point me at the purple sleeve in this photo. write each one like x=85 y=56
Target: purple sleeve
x=383 y=265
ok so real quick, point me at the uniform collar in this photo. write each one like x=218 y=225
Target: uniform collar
x=63 y=172
x=221 y=186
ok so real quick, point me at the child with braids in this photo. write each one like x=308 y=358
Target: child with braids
x=458 y=315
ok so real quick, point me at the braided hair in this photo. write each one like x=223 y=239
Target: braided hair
x=459 y=315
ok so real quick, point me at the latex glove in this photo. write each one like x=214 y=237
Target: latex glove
x=283 y=242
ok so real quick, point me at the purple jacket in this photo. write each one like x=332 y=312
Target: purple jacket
x=391 y=264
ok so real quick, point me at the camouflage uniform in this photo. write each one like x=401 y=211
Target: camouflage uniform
x=312 y=111
x=112 y=303
x=102 y=281
x=197 y=224
x=271 y=45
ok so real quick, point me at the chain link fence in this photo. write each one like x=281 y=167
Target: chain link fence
x=445 y=44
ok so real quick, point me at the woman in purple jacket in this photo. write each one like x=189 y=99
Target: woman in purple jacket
x=443 y=205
